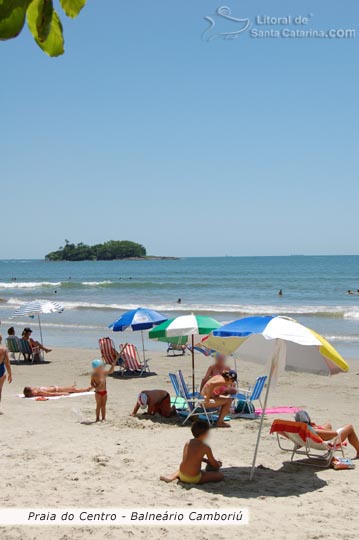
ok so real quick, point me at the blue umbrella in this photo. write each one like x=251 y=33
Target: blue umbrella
x=138 y=319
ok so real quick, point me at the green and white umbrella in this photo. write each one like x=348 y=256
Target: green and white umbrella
x=185 y=325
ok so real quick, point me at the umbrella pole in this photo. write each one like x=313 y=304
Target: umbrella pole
x=274 y=357
x=38 y=318
x=193 y=381
x=143 y=346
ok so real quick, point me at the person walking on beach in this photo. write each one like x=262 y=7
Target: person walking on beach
x=5 y=367
x=98 y=382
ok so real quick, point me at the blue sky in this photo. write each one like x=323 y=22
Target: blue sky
x=145 y=131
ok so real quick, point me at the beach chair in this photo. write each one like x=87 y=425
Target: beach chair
x=175 y=349
x=27 y=350
x=12 y=344
x=129 y=354
x=252 y=394
x=306 y=442
x=178 y=400
x=195 y=404
x=109 y=354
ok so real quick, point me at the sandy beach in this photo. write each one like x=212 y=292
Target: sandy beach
x=53 y=455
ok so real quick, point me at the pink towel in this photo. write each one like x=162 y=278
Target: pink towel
x=279 y=410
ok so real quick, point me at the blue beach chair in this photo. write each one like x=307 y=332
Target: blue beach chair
x=252 y=394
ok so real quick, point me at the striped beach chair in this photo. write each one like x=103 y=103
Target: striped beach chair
x=306 y=442
x=29 y=352
x=130 y=356
x=12 y=344
x=109 y=354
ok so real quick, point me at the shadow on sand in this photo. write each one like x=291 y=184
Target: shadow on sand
x=288 y=480
x=28 y=363
x=132 y=375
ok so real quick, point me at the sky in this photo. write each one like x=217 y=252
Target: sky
x=147 y=129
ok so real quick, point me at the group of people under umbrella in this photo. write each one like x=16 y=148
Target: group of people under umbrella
x=276 y=341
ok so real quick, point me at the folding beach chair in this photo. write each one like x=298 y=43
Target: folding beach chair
x=252 y=394
x=195 y=404
x=176 y=349
x=306 y=442
x=129 y=354
x=27 y=350
x=178 y=400
x=12 y=344
x=109 y=354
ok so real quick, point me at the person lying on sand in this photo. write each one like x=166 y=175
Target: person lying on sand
x=217 y=393
x=155 y=401
x=194 y=454
x=215 y=369
x=98 y=382
x=53 y=391
x=327 y=433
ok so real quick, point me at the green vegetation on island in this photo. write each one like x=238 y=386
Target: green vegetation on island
x=109 y=251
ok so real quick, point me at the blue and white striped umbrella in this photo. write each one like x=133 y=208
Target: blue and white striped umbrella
x=138 y=319
x=37 y=308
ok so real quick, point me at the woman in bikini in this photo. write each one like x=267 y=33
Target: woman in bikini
x=98 y=382
x=217 y=393
x=5 y=367
x=53 y=391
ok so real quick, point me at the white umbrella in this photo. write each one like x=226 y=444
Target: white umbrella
x=282 y=341
x=37 y=308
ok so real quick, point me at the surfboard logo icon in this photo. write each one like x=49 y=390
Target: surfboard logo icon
x=222 y=25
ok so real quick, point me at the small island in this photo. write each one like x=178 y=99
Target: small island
x=108 y=251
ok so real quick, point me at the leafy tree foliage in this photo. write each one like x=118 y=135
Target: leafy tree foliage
x=42 y=19
x=109 y=251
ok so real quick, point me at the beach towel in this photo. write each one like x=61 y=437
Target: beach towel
x=279 y=410
x=39 y=398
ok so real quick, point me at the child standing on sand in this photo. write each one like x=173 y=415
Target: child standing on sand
x=194 y=454
x=98 y=382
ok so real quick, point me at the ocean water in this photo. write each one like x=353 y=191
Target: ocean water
x=96 y=293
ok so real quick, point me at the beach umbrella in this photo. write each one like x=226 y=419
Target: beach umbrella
x=35 y=308
x=283 y=342
x=139 y=319
x=185 y=325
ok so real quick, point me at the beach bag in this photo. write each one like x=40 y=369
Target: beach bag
x=245 y=408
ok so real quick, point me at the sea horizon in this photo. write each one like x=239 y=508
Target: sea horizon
x=95 y=293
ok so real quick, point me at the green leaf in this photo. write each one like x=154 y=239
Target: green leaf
x=12 y=17
x=72 y=7
x=47 y=31
x=43 y=23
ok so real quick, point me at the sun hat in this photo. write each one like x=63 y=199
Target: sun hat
x=142 y=400
x=96 y=363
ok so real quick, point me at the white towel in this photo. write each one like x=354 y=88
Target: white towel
x=58 y=397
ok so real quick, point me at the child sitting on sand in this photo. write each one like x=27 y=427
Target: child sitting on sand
x=98 y=382
x=194 y=454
